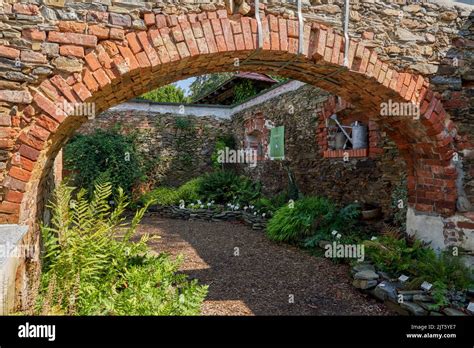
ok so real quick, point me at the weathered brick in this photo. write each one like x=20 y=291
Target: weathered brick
x=33 y=57
x=177 y=34
x=283 y=34
x=148 y=48
x=33 y=34
x=82 y=91
x=71 y=50
x=117 y=34
x=19 y=174
x=143 y=60
x=72 y=27
x=26 y=9
x=182 y=49
x=133 y=42
x=161 y=21
x=9 y=208
x=209 y=35
x=170 y=47
x=49 y=107
x=101 y=77
x=39 y=132
x=129 y=57
x=47 y=123
x=64 y=87
x=98 y=30
x=9 y=52
x=73 y=38
x=90 y=81
x=28 y=152
x=14 y=196
x=28 y=139
x=149 y=18
x=229 y=37
x=92 y=61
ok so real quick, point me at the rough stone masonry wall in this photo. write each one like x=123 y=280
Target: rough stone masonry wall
x=369 y=180
x=178 y=153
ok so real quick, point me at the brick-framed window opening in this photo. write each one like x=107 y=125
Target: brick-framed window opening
x=256 y=135
x=346 y=116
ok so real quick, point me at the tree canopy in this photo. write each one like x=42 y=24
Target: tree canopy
x=166 y=94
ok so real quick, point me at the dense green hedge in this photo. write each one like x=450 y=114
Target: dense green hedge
x=106 y=154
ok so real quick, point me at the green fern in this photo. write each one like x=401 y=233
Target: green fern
x=91 y=266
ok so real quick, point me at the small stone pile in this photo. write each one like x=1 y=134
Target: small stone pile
x=396 y=296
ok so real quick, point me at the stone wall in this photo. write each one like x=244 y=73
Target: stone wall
x=368 y=179
x=184 y=154
x=179 y=146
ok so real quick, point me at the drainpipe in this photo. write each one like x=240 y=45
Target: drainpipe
x=259 y=24
x=300 y=29
x=346 y=33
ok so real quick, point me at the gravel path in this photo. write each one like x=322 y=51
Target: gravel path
x=248 y=274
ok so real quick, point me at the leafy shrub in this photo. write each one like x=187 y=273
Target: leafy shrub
x=161 y=196
x=104 y=153
x=227 y=186
x=189 y=192
x=343 y=221
x=264 y=205
x=221 y=143
x=270 y=205
x=91 y=267
x=440 y=295
x=445 y=271
x=307 y=216
x=171 y=196
x=444 y=268
x=395 y=256
x=243 y=91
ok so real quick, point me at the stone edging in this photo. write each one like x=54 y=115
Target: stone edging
x=174 y=212
x=392 y=293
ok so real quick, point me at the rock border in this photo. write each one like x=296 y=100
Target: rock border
x=174 y=212
x=394 y=295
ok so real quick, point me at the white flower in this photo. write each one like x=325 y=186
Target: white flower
x=254 y=213
x=237 y=207
x=199 y=201
x=338 y=236
x=263 y=215
x=208 y=204
x=251 y=207
x=228 y=204
x=245 y=208
x=212 y=201
x=334 y=232
x=373 y=238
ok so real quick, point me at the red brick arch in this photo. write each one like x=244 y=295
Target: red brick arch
x=121 y=64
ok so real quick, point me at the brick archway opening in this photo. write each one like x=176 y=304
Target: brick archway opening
x=168 y=51
x=103 y=65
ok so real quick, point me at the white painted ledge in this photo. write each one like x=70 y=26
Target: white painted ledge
x=10 y=239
